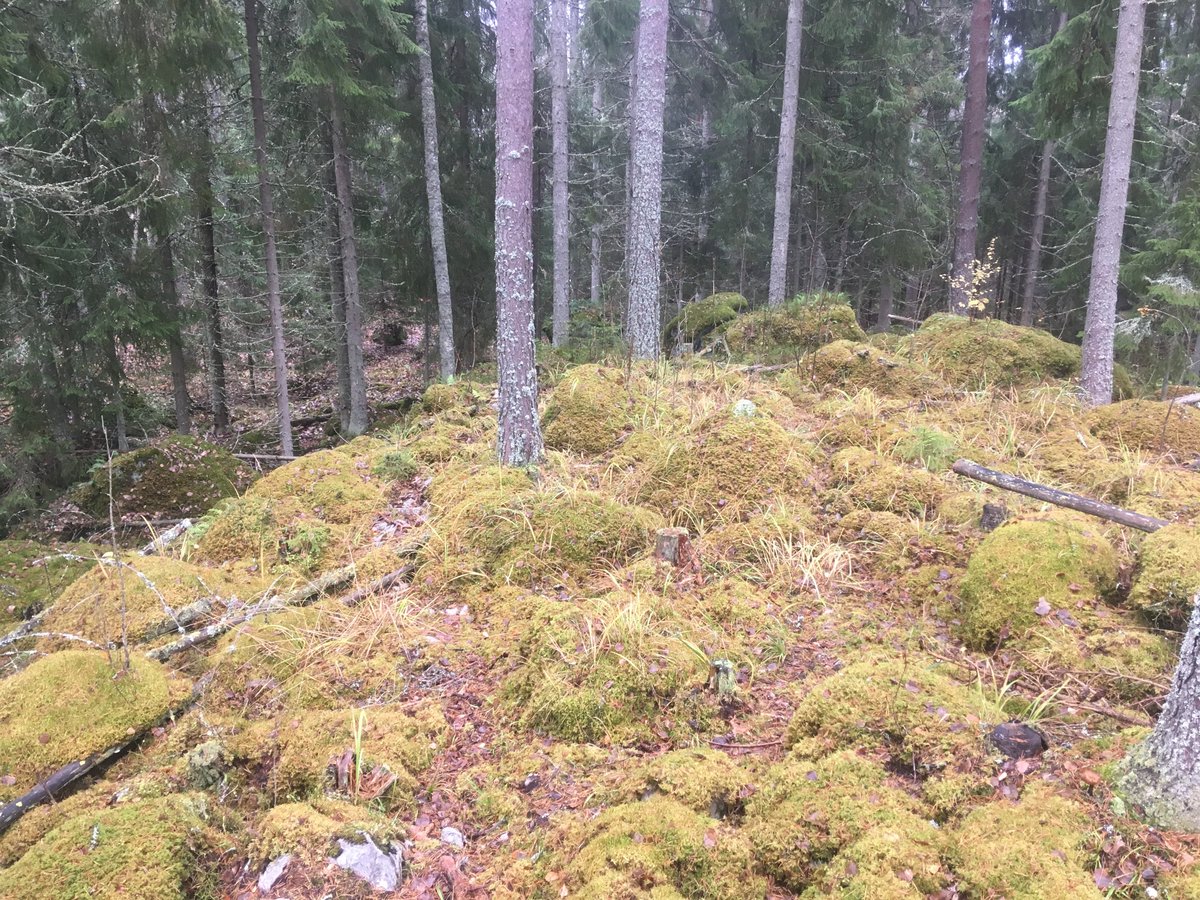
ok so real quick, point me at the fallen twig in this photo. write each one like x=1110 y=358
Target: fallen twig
x=161 y=541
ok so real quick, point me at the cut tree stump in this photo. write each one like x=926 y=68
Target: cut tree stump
x=973 y=470
x=674 y=547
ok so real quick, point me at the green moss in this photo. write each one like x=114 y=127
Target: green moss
x=72 y=704
x=1167 y=578
x=1147 y=425
x=706 y=781
x=850 y=366
x=148 y=849
x=1024 y=562
x=798 y=327
x=899 y=861
x=1182 y=884
x=25 y=588
x=972 y=353
x=702 y=318
x=660 y=849
x=587 y=410
x=395 y=465
x=441 y=397
x=1034 y=849
x=931 y=447
x=869 y=481
x=906 y=706
x=174 y=477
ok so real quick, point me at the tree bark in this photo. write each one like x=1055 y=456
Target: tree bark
x=433 y=193
x=179 y=390
x=266 y=201
x=887 y=300
x=115 y=377
x=971 y=159
x=519 y=440
x=217 y=388
x=1100 y=324
x=596 y=250
x=787 y=154
x=349 y=246
x=559 y=52
x=646 y=158
x=337 y=301
x=1033 y=260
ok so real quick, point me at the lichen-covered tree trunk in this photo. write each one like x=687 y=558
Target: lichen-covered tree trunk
x=1033 y=260
x=1100 y=324
x=787 y=154
x=1162 y=775
x=559 y=51
x=642 y=325
x=179 y=389
x=433 y=192
x=970 y=173
x=217 y=387
x=267 y=203
x=519 y=442
x=349 y=245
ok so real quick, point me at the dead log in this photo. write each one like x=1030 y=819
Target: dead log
x=379 y=584
x=163 y=540
x=52 y=787
x=1187 y=399
x=973 y=470
x=24 y=629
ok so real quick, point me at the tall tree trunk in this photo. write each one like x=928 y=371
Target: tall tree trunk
x=179 y=390
x=354 y=311
x=887 y=300
x=646 y=158
x=519 y=439
x=217 y=389
x=970 y=175
x=433 y=193
x=596 y=252
x=558 y=117
x=266 y=201
x=337 y=300
x=1033 y=259
x=115 y=379
x=1100 y=325
x=787 y=154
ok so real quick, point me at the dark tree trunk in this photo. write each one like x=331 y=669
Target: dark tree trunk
x=217 y=388
x=887 y=299
x=179 y=390
x=115 y=378
x=337 y=302
x=559 y=51
x=970 y=175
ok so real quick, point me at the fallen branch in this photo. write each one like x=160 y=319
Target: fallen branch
x=712 y=742
x=163 y=540
x=24 y=630
x=264 y=456
x=1187 y=399
x=379 y=584
x=973 y=470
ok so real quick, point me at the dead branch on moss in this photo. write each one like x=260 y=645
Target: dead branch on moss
x=23 y=630
x=162 y=541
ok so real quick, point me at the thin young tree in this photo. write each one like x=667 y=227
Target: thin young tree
x=519 y=441
x=1101 y=322
x=559 y=68
x=644 y=331
x=266 y=201
x=970 y=173
x=787 y=154
x=210 y=281
x=433 y=193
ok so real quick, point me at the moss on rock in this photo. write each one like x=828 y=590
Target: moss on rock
x=706 y=781
x=972 y=353
x=1147 y=425
x=796 y=328
x=851 y=366
x=1167 y=579
x=869 y=481
x=308 y=830
x=26 y=588
x=702 y=318
x=586 y=411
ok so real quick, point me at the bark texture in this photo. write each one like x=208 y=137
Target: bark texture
x=971 y=158
x=787 y=154
x=267 y=202
x=519 y=442
x=559 y=52
x=1033 y=260
x=596 y=255
x=433 y=192
x=887 y=301
x=645 y=156
x=337 y=303
x=179 y=390
x=1100 y=325
x=218 y=390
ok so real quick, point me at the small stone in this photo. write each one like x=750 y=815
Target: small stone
x=382 y=871
x=453 y=837
x=1019 y=741
x=993 y=516
x=273 y=872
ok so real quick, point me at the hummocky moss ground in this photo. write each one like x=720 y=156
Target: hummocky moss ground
x=539 y=709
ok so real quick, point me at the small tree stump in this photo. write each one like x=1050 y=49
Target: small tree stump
x=674 y=547
x=994 y=515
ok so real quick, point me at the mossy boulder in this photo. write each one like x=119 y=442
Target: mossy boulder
x=151 y=849
x=659 y=849
x=28 y=586
x=799 y=327
x=71 y=704
x=870 y=481
x=1167 y=579
x=974 y=353
x=174 y=477
x=907 y=706
x=587 y=410
x=700 y=319
x=1034 y=849
x=704 y=780
x=1027 y=569
x=851 y=366
x=1147 y=425
x=308 y=831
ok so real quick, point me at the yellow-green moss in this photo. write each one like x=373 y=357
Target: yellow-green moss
x=904 y=705
x=972 y=353
x=852 y=366
x=659 y=849
x=798 y=327
x=870 y=481
x=706 y=781
x=1182 y=884
x=1167 y=579
x=308 y=830
x=899 y=861
x=26 y=588
x=699 y=319
x=152 y=849
x=587 y=410
x=71 y=704
x=1147 y=425
x=1023 y=562
x=1034 y=849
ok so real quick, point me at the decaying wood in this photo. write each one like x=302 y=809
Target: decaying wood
x=25 y=629
x=1187 y=399
x=164 y=540
x=264 y=457
x=973 y=470
x=674 y=547
x=57 y=783
x=379 y=584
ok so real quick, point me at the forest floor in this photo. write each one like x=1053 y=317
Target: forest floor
x=807 y=705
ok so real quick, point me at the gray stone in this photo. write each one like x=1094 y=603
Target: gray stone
x=453 y=837
x=273 y=872
x=382 y=870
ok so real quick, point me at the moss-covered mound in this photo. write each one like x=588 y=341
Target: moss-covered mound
x=1027 y=569
x=142 y=595
x=1034 y=849
x=906 y=706
x=174 y=477
x=151 y=849
x=706 y=781
x=26 y=588
x=1167 y=580
x=702 y=318
x=810 y=818
x=973 y=353
x=1147 y=425
x=659 y=849
x=308 y=831
x=69 y=705
x=798 y=327
x=869 y=481
x=850 y=366
x=587 y=410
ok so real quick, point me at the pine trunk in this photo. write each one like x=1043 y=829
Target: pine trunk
x=433 y=193
x=887 y=300
x=179 y=390
x=559 y=52
x=337 y=302
x=519 y=442
x=1100 y=324
x=1033 y=260
x=646 y=157
x=218 y=390
x=970 y=175
x=354 y=310
x=266 y=201
x=115 y=377
x=596 y=252
x=787 y=154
